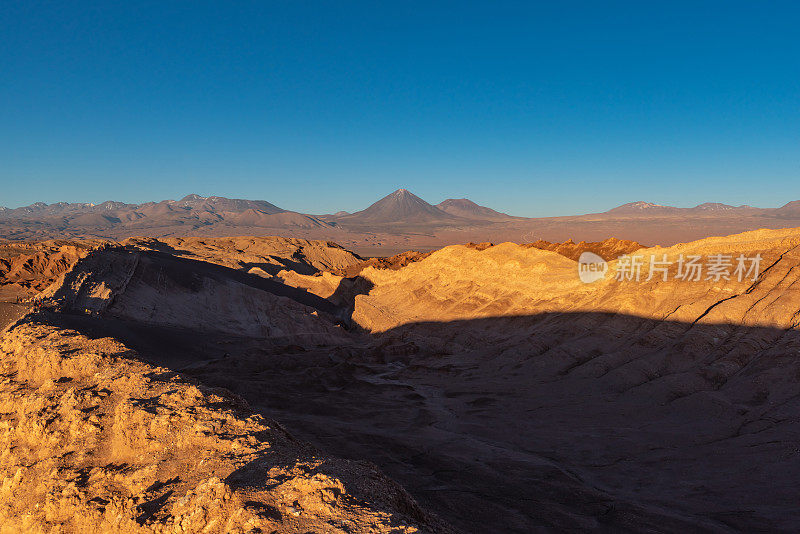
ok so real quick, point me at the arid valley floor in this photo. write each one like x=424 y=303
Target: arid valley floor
x=262 y=384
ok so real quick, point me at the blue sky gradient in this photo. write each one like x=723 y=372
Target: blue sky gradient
x=533 y=108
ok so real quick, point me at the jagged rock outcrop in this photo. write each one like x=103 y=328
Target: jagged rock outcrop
x=27 y=268
x=394 y=262
x=95 y=441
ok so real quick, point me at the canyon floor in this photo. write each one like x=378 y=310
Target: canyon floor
x=259 y=384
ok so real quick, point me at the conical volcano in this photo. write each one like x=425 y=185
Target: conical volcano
x=402 y=206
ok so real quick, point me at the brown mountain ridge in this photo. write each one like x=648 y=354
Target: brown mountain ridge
x=396 y=223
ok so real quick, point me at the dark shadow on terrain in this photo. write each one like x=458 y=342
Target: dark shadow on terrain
x=551 y=422
x=284 y=264
x=185 y=267
x=160 y=246
x=189 y=273
x=346 y=292
x=251 y=476
x=298 y=262
x=150 y=508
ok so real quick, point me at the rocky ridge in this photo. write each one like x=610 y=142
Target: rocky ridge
x=96 y=441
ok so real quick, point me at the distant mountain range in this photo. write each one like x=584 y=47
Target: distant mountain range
x=648 y=209
x=641 y=207
x=187 y=203
x=196 y=212
x=192 y=211
x=400 y=219
x=403 y=207
x=462 y=207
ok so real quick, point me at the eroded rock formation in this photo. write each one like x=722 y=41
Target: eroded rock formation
x=501 y=391
x=95 y=441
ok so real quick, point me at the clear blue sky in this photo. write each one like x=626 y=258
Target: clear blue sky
x=534 y=108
